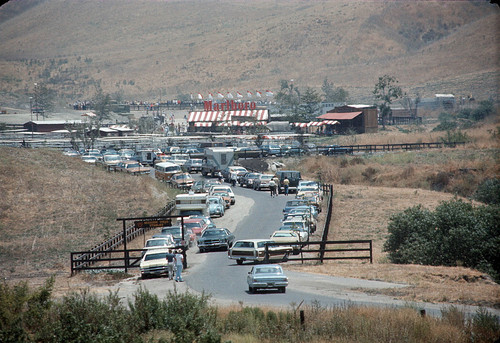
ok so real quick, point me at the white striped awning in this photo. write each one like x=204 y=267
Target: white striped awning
x=330 y=122
x=315 y=123
x=203 y=124
x=299 y=124
x=204 y=116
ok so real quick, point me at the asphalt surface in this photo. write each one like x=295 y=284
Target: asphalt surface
x=257 y=215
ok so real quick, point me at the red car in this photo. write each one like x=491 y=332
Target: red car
x=197 y=225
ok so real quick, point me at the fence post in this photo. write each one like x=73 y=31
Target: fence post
x=266 y=256
x=125 y=255
x=371 y=252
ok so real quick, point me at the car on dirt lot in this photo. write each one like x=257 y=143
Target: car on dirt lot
x=215 y=238
x=285 y=236
x=132 y=167
x=160 y=243
x=176 y=232
x=216 y=206
x=255 y=250
x=223 y=188
x=182 y=180
x=267 y=276
x=197 y=225
x=154 y=262
x=193 y=165
x=292 y=204
x=247 y=179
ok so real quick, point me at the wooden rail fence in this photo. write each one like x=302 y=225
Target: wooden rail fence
x=84 y=259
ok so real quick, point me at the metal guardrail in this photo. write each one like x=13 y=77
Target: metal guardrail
x=82 y=260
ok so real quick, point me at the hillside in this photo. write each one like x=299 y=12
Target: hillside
x=150 y=49
x=54 y=204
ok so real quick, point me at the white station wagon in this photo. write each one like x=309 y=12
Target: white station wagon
x=255 y=250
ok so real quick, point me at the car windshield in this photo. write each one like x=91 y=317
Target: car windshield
x=213 y=201
x=110 y=158
x=293 y=203
x=263 y=244
x=267 y=270
x=294 y=225
x=284 y=234
x=266 y=177
x=157 y=256
x=212 y=233
x=132 y=165
x=174 y=231
x=192 y=225
x=243 y=245
x=157 y=243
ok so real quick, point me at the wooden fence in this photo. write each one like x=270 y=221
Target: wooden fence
x=328 y=250
x=84 y=259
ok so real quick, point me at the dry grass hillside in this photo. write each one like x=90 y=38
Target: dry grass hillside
x=53 y=204
x=157 y=48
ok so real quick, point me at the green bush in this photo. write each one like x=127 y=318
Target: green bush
x=488 y=192
x=23 y=311
x=456 y=233
x=446 y=125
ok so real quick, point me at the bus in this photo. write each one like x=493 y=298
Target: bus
x=165 y=170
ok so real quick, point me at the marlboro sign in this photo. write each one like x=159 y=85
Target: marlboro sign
x=229 y=106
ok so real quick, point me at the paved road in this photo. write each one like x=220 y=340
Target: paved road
x=257 y=215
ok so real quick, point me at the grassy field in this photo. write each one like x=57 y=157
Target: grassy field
x=370 y=188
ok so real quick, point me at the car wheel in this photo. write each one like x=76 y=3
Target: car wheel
x=239 y=262
x=283 y=289
x=251 y=289
x=202 y=250
x=144 y=276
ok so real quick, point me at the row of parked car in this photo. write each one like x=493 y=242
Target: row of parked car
x=299 y=221
x=198 y=230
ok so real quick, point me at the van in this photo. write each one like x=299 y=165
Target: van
x=165 y=170
x=293 y=177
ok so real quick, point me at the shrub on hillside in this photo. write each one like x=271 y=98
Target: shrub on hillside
x=456 y=233
x=488 y=192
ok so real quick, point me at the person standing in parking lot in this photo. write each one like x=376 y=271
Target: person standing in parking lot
x=286 y=184
x=170 y=259
x=179 y=259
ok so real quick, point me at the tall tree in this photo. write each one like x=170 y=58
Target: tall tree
x=310 y=104
x=102 y=104
x=333 y=94
x=386 y=90
x=288 y=99
x=42 y=102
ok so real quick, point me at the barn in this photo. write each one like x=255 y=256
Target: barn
x=357 y=118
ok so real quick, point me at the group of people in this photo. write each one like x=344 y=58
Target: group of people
x=274 y=184
x=175 y=263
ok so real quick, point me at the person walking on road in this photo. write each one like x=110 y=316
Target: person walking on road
x=286 y=184
x=272 y=187
x=179 y=260
x=170 y=259
x=277 y=183
x=234 y=178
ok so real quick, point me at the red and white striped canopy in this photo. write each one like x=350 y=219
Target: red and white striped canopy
x=300 y=124
x=204 y=116
x=315 y=123
x=330 y=122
